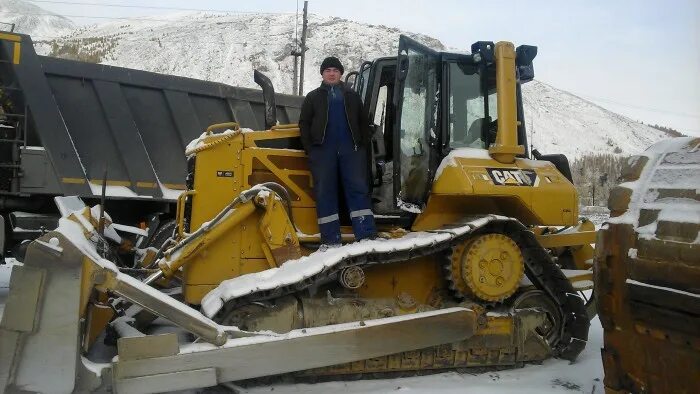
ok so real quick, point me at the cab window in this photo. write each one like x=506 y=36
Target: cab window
x=472 y=109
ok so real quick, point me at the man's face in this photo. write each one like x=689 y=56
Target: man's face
x=331 y=75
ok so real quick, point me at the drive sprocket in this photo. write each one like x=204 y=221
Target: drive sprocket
x=487 y=267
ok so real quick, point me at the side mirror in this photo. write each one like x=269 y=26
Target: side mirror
x=483 y=51
x=524 y=55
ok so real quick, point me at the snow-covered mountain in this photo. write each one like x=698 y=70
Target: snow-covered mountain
x=560 y=122
x=228 y=47
x=33 y=20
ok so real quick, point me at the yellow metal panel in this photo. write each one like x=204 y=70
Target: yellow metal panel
x=272 y=161
x=287 y=126
x=420 y=278
x=251 y=243
x=77 y=181
x=10 y=37
x=175 y=186
x=216 y=188
x=498 y=325
x=193 y=294
x=146 y=185
x=111 y=182
x=285 y=167
x=217 y=182
x=241 y=251
x=98 y=316
x=567 y=239
x=251 y=138
x=16 y=53
x=465 y=188
x=213 y=241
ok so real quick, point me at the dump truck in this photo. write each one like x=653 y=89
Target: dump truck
x=647 y=273
x=67 y=127
x=481 y=262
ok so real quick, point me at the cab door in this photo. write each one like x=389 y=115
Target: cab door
x=416 y=134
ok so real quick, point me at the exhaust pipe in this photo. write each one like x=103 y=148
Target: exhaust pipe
x=268 y=97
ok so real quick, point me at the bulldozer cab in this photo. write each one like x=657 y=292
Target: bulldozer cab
x=422 y=104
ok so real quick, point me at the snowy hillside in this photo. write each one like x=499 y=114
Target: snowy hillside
x=30 y=19
x=228 y=47
x=559 y=122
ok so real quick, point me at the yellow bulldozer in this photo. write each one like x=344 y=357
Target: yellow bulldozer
x=482 y=262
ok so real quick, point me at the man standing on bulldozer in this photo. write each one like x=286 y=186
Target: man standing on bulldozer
x=334 y=132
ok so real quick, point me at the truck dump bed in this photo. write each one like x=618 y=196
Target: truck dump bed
x=64 y=121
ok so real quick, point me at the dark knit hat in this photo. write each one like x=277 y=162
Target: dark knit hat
x=332 y=61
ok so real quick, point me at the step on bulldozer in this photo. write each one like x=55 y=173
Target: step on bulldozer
x=482 y=260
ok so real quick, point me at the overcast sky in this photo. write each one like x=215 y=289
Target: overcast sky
x=639 y=58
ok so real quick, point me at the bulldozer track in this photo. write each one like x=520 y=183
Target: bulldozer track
x=539 y=268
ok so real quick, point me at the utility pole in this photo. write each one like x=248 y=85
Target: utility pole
x=532 y=135
x=296 y=72
x=303 y=48
x=296 y=53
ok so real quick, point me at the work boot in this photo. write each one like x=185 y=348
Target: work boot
x=369 y=238
x=325 y=247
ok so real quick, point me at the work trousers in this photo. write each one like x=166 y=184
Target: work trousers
x=340 y=165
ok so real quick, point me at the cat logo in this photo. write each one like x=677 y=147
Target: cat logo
x=225 y=174
x=513 y=177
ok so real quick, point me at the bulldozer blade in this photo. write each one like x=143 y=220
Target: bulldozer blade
x=40 y=327
x=245 y=358
x=40 y=336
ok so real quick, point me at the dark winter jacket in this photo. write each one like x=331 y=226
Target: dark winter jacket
x=314 y=117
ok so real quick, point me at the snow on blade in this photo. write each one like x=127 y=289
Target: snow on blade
x=667 y=289
x=673 y=165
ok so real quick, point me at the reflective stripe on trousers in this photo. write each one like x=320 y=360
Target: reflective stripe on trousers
x=337 y=166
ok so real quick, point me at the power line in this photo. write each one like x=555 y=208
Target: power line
x=143 y=18
x=88 y=16
x=46 y=40
x=646 y=109
x=637 y=106
x=67 y=40
x=150 y=7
